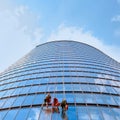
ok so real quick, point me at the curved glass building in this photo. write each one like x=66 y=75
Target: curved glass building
x=87 y=78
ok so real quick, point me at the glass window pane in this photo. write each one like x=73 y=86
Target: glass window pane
x=9 y=102
x=59 y=96
x=3 y=114
x=108 y=99
x=102 y=88
x=2 y=94
x=11 y=114
x=19 y=101
x=99 y=99
x=95 y=113
x=110 y=89
x=17 y=91
x=107 y=114
x=89 y=98
x=39 y=99
x=83 y=114
x=71 y=114
x=85 y=87
x=70 y=98
x=9 y=92
x=33 y=89
x=59 y=87
x=77 y=87
x=51 y=87
x=116 y=113
x=117 y=99
x=22 y=114
x=45 y=114
x=2 y=102
x=42 y=88
x=34 y=114
x=24 y=90
x=80 y=98
x=28 y=100
x=68 y=87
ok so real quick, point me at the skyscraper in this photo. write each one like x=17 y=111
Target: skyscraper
x=87 y=78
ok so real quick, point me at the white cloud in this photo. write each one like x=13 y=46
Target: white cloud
x=19 y=32
x=78 y=34
x=116 y=18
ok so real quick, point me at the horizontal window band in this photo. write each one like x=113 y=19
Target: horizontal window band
x=65 y=63
x=54 y=83
x=65 y=71
x=52 y=60
x=59 y=66
x=59 y=92
x=65 y=76
x=70 y=104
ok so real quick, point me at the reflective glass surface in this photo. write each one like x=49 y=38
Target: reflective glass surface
x=87 y=78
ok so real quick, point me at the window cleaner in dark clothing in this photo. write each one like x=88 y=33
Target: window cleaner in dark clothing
x=47 y=99
x=55 y=105
x=64 y=105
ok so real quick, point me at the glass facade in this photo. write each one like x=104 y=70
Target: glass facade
x=87 y=78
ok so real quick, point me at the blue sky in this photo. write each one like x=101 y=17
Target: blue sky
x=27 y=23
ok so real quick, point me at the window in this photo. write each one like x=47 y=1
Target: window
x=22 y=114
x=33 y=114
x=29 y=100
x=9 y=102
x=95 y=113
x=19 y=101
x=107 y=114
x=11 y=115
x=83 y=114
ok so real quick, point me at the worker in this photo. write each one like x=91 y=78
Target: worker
x=47 y=100
x=55 y=105
x=64 y=105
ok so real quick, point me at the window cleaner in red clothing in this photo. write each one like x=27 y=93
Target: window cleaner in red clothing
x=55 y=105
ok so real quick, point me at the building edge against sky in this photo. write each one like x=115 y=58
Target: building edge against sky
x=85 y=76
